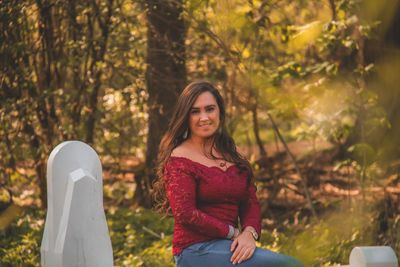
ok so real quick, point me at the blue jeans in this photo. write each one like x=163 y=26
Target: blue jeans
x=217 y=253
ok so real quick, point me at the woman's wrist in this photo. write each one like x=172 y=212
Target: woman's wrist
x=252 y=231
x=236 y=234
x=233 y=232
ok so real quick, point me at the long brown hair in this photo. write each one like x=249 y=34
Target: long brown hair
x=178 y=131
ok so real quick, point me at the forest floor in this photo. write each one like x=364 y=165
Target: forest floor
x=332 y=183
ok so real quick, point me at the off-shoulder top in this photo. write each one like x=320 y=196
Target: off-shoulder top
x=206 y=200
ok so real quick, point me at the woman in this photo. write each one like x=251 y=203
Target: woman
x=208 y=187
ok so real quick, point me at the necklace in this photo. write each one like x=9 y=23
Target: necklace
x=221 y=164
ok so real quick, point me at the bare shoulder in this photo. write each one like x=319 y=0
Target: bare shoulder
x=240 y=151
x=180 y=151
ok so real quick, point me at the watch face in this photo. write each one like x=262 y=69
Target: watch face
x=255 y=235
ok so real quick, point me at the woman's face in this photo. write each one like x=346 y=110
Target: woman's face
x=204 y=116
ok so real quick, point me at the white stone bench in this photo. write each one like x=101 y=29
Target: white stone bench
x=76 y=232
x=372 y=257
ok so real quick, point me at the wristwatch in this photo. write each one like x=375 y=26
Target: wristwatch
x=253 y=233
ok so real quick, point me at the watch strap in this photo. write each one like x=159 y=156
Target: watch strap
x=253 y=233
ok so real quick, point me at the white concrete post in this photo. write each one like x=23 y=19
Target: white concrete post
x=373 y=257
x=76 y=232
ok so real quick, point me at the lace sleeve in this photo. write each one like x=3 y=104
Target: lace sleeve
x=250 y=212
x=181 y=192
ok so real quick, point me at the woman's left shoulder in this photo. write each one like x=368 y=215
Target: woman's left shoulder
x=240 y=151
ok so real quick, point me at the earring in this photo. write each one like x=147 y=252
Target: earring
x=185 y=134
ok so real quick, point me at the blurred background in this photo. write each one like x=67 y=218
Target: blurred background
x=312 y=95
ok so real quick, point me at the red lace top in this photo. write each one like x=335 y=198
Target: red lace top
x=206 y=200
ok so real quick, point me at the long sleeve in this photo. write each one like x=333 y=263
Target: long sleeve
x=250 y=212
x=181 y=192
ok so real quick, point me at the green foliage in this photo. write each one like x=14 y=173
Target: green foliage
x=138 y=234
x=65 y=64
x=363 y=153
x=139 y=238
x=142 y=238
x=20 y=242
x=330 y=240
x=159 y=254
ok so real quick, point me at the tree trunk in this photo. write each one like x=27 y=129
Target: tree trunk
x=98 y=57
x=165 y=74
x=256 y=130
x=39 y=162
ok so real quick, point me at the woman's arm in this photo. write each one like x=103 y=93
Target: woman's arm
x=244 y=245
x=181 y=193
x=250 y=212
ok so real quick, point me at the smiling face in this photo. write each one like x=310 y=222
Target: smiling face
x=204 y=116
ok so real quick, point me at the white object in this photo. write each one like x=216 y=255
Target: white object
x=76 y=232
x=373 y=257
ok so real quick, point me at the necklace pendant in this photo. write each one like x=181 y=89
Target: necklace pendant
x=222 y=164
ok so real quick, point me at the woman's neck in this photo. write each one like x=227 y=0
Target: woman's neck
x=203 y=145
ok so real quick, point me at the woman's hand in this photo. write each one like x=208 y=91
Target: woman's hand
x=243 y=247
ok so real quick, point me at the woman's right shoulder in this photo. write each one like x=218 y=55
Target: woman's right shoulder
x=180 y=151
x=180 y=158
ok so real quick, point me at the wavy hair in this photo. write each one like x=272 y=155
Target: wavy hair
x=178 y=131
